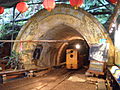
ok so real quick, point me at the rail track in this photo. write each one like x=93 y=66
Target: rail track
x=54 y=79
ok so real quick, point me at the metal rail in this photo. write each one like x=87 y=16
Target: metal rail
x=31 y=72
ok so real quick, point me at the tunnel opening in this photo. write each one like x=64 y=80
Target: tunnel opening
x=82 y=48
x=63 y=23
x=55 y=53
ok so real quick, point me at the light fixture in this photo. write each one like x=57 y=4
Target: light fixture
x=77 y=46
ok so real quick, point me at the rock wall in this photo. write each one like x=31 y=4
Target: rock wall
x=62 y=23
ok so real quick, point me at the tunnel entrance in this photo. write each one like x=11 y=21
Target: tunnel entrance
x=82 y=48
x=55 y=53
x=63 y=23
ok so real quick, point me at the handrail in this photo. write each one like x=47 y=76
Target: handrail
x=24 y=70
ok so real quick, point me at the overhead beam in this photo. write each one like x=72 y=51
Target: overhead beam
x=42 y=41
x=100 y=13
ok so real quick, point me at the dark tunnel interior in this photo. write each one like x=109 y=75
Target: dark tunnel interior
x=83 y=50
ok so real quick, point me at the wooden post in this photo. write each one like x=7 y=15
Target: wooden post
x=113 y=27
x=1 y=79
x=114 y=15
x=4 y=76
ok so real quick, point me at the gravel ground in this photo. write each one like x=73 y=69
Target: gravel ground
x=57 y=79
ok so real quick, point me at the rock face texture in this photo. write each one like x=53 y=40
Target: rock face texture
x=62 y=23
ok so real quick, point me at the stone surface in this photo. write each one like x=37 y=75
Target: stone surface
x=63 y=23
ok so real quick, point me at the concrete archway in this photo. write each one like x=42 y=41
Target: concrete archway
x=63 y=23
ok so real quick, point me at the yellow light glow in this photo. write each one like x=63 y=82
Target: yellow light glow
x=77 y=46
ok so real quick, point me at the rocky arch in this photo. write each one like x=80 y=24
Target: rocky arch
x=62 y=23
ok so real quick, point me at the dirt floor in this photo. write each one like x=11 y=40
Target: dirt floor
x=56 y=79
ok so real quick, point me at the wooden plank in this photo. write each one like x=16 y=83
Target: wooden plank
x=8 y=72
x=35 y=70
x=95 y=72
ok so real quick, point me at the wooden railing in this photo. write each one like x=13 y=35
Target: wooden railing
x=29 y=73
